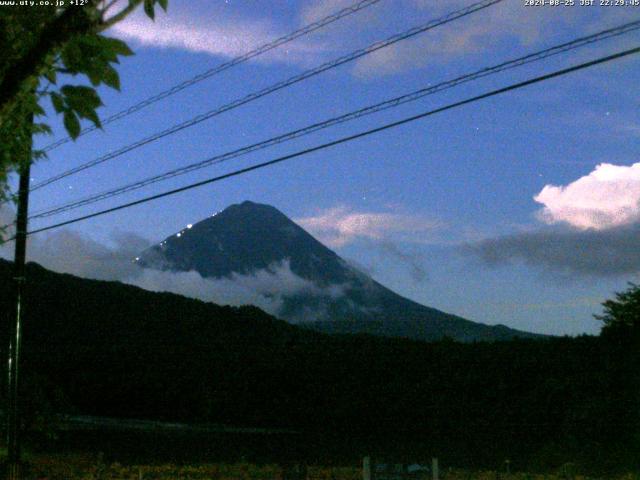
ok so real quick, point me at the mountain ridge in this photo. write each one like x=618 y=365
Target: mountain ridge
x=249 y=237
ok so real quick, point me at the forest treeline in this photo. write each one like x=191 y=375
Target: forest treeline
x=108 y=349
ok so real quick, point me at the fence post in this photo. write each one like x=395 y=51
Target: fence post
x=434 y=469
x=366 y=468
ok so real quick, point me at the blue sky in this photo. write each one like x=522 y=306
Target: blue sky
x=518 y=210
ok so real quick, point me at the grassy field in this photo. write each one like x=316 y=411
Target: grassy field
x=84 y=467
x=80 y=467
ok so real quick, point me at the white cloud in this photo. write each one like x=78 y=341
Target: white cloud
x=229 y=38
x=480 y=32
x=607 y=197
x=69 y=252
x=208 y=31
x=264 y=288
x=339 y=226
x=484 y=31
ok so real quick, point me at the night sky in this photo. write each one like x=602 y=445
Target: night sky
x=522 y=209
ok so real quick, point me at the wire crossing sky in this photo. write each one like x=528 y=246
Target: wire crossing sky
x=455 y=15
x=391 y=103
x=356 y=7
x=350 y=138
x=522 y=211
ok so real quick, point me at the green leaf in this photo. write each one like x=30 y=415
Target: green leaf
x=42 y=128
x=89 y=114
x=72 y=124
x=82 y=101
x=80 y=97
x=71 y=56
x=38 y=154
x=50 y=75
x=93 y=116
x=164 y=4
x=111 y=78
x=38 y=110
x=104 y=51
x=90 y=42
x=117 y=46
x=149 y=9
x=58 y=102
x=94 y=77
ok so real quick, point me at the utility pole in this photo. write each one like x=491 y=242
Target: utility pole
x=15 y=317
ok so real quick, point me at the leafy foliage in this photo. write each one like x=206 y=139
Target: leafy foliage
x=44 y=48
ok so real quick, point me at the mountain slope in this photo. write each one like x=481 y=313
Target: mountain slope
x=117 y=350
x=332 y=297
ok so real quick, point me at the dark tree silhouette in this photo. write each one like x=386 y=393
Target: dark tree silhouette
x=622 y=315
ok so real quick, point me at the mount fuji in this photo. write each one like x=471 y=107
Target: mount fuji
x=312 y=284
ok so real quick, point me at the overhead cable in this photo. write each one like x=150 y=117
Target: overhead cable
x=346 y=139
x=312 y=27
x=387 y=104
x=273 y=88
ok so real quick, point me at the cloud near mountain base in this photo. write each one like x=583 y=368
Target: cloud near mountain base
x=66 y=251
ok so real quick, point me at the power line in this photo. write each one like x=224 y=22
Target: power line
x=312 y=27
x=391 y=103
x=275 y=87
x=349 y=138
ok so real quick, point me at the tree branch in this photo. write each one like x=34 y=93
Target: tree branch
x=73 y=21
x=108 y=5
x=121 y=15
